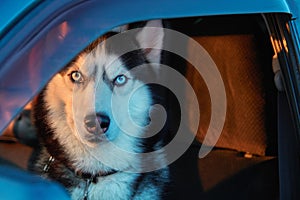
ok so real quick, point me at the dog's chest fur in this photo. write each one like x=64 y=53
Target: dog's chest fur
x=119 y=185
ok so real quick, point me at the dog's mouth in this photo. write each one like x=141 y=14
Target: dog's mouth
x=97 y=124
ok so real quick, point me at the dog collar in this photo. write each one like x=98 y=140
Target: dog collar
x=87 y=177
x=78 y=173
x=47 y=165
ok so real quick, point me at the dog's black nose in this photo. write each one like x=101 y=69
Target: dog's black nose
x=97 y=123
x=104 y=121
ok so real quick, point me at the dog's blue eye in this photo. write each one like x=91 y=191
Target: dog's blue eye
x=120 y=80
x=76 y=77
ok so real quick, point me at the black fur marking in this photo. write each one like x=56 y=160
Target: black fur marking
x=45 y=132
x=49 y=146
x=135 y=59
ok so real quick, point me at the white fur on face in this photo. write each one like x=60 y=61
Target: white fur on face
x=69 y=103
x=126 y=106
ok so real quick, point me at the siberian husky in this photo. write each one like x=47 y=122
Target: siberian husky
x=84 y=118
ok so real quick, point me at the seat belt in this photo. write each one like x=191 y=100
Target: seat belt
x=288 y=155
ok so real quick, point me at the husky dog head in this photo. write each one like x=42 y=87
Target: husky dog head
x=89 y=110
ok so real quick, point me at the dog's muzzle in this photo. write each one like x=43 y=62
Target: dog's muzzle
x=96 y=123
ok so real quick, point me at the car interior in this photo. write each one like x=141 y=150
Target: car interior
x=244 y=162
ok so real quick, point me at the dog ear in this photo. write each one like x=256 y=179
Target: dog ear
x=152 y=40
